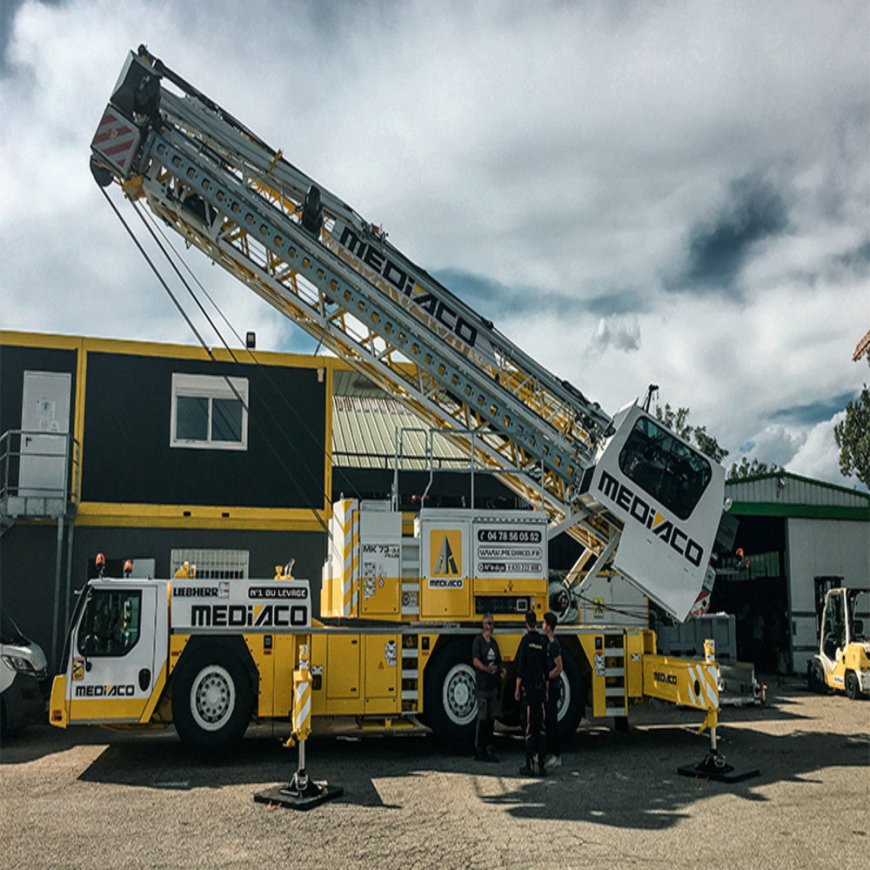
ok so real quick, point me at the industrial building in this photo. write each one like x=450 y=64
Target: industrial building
x=156 y=453
x=796 y=539
x=146 y=451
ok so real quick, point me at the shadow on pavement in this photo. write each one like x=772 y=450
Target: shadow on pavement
x=627 y=780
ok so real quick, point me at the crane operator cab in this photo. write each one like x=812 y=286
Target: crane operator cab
x=668 y=497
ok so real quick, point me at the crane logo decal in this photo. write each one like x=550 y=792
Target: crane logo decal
x=650 y=518
x=445 y=559
x=406 y=284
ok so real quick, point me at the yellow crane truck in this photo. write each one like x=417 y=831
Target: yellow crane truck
x=401 y=595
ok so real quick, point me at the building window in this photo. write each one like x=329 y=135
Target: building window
x=208 y=412
x=212 y=564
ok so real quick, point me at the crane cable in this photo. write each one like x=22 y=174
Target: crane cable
x=324 y=526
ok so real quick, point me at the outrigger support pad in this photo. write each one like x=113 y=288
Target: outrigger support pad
x=715 y=767
x=301 y=793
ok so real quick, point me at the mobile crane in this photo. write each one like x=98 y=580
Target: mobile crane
x=401 y=596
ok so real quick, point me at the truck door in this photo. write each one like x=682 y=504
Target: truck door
x=118 y=651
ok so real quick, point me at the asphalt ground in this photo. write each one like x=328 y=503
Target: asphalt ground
x=93 y=798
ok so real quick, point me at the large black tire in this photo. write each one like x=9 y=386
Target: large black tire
x=572 y=700
x=852 y=686
x=211 y=700
x=449 y=695
x=816 y=678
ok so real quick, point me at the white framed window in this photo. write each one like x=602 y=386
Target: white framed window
x=212 y=564
x=209 y=413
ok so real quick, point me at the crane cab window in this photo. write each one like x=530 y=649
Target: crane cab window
x=110 y=623
x=209 y=412
x=665 y=468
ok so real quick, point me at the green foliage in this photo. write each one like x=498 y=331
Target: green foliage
x=853 y=437
x=745 y=468
x=678 y=421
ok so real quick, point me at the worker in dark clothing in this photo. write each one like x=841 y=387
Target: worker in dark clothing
x=531 y=692
x=486 y=658
x=554 y=691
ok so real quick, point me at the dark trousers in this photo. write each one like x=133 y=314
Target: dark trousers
x=551 y=718
x=483 y=732
x=532 y=720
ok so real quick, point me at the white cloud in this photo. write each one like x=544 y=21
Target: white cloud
x=567 y=148
x=622 y=333
x=818 y=455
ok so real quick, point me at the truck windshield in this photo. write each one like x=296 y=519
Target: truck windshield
x=110 y=622
x=665 y=468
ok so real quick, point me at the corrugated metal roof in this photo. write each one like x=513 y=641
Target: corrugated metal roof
x=364 y=432
x=352 y=383
x=791 y=494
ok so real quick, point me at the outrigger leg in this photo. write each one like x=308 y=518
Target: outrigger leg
x=302 y=792
x=714 y=765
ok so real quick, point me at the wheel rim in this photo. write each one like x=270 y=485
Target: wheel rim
x=459 y=695
x=212 y=698
x=564 y=698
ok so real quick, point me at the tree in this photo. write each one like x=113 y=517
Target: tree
x=678 y=421
x=750 y=469
x=853 y=437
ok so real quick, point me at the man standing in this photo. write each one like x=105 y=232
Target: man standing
x=531 y=692
x=554 y=690
x=486 y=658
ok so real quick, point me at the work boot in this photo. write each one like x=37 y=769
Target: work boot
x=528 y=769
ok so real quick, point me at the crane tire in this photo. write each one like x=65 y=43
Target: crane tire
x=574 y=689
x=450 y=696
x=211 y=700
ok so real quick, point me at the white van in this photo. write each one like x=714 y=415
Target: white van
x=22 y=668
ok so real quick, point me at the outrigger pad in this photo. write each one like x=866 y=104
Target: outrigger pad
x=293 y=798
x=714 y=767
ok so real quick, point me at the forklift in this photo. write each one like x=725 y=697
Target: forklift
x=843 y=660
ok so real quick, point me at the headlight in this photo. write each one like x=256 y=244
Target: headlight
x=19 y=663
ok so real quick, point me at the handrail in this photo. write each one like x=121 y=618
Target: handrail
x=19 y=447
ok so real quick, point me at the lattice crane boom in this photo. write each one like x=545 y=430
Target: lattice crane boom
x=316 y=260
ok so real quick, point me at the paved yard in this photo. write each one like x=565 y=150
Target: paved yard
x=88 y=797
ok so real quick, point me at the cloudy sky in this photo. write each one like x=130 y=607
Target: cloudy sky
x=675 y=193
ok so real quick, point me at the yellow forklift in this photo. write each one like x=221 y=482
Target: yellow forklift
x=843 y=660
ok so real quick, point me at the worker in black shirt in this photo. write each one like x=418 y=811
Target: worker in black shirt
x=554 y=691
x=486 y=658
x=531 y=692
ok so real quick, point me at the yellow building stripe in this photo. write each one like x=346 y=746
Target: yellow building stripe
x=198 y=517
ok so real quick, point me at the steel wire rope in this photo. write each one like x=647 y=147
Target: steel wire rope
x=209 y=352
x=264 y=369
x=156 y=228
